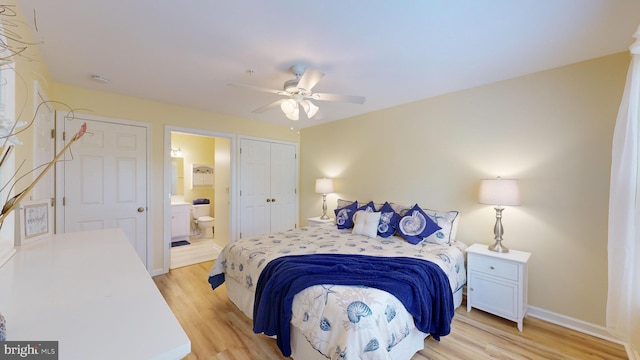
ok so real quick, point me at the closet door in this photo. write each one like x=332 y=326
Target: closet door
x=268 y=178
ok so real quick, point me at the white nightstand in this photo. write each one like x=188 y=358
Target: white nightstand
x=316 y=221
x=497 y=282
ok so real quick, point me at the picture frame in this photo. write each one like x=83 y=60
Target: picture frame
x=35 y=221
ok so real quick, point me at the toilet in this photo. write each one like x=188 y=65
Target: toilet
x=201 y=218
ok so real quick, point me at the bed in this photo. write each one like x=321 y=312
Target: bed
x=335 y=318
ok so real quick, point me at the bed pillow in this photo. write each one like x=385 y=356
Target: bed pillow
x=416 y=225
x=447 y=222
x=366 y=223
x=343 y=203
x=344 y=216
x=389 y=220
x=369 y=207
x=400 y=209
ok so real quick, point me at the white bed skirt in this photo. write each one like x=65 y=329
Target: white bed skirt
x=301 y=349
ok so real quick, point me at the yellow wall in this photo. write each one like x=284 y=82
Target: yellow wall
x=551 y=130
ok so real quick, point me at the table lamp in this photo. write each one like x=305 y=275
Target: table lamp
x=499 y=192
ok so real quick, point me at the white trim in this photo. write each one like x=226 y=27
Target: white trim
x=166 y=214
x=572 y=323
x=633 y=355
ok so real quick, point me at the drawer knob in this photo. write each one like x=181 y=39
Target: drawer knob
x=491 y=267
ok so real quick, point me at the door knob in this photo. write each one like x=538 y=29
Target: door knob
x=268 y=200
x=273 y=200
x=140 y=209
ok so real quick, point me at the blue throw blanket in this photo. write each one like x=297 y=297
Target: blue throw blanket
x=421 y=286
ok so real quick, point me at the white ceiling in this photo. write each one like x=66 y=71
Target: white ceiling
x=391 y=52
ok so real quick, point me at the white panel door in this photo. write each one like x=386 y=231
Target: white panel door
x=283 y=187
x=268 y=178
x=105 y=182
x=255 y=196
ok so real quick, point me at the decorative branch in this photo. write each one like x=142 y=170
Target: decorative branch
x=14 y=201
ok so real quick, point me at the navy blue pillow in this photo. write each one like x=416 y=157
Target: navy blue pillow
x=370 y=207
x=344 y=216
x=415 y=225
x=389 y=220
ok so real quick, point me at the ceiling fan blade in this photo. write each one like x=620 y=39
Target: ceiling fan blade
x=336 y=97
x=257 y=88
x=268 y=106
x=309 y=79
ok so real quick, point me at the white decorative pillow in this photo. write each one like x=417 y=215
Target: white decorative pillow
x=448 y=224
x=366 y=223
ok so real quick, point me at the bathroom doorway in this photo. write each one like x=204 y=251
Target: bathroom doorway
x=200 y=173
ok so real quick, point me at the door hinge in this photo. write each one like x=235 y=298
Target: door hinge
x=53 y=202
x=64 y=200
x=53 y=133
x=64 y=136
x=240 y=235
x=240 y=192
x=240 y=151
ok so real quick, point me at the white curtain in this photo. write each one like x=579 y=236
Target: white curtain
x=623 y=302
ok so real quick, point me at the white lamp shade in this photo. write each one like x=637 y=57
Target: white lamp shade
x=290 y=109
x=324 y=186
x=313 y=110
x=499 y=192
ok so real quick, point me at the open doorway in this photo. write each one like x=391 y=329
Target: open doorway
x=200 y=208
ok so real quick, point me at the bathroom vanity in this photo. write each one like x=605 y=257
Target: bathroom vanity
x=180 y=221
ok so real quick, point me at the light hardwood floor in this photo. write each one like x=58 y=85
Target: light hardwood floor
x=219 y=330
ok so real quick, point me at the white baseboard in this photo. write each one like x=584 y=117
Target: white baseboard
x=581 y=326
x=154 y=272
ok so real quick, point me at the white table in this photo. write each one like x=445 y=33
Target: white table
x=90 y=292
x=317 y=221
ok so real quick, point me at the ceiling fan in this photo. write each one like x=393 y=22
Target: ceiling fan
x=298 y=93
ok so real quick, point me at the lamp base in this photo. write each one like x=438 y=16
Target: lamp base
x=497 y=247
x=324 y=208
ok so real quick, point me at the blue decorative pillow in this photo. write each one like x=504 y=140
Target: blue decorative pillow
x=369 y=207
x=389 y=220
x=344 y=216
x=416 y=225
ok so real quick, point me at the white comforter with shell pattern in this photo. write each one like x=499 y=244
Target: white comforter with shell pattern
x=341 y=322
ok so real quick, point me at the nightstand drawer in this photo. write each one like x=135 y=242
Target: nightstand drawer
x=495 y=267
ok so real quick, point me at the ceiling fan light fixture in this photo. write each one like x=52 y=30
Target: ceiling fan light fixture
x=294 y=115
x=288 y=106
x=290 y=109
x=313 y=110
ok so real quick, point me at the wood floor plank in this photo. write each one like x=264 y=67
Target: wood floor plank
x=219 y=330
